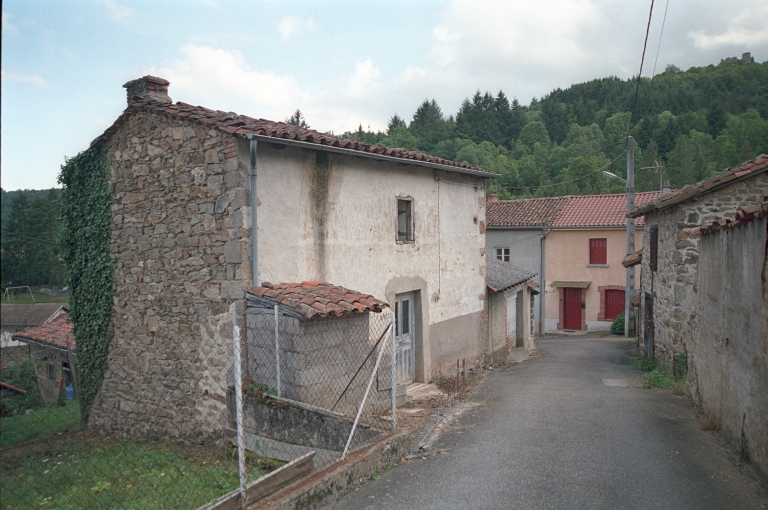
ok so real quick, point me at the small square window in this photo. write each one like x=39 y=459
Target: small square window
x=598 y=252
x=404 y=220
x=502 y=254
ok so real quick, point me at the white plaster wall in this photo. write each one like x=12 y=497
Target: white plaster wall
x=361 y=252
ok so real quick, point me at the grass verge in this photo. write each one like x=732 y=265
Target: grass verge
x=43 y=422
x=116 y=474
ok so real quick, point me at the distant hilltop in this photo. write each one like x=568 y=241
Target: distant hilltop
x=746 y=58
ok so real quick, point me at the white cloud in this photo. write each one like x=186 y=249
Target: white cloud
x=117 y=13
x=291 y=25
x=747 y=29
x=206 y=72
x=32 y=79
x=364 y=79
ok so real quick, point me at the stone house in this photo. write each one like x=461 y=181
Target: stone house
x=402 y=226
x=510 y=308
x=704 y=297
x=576 y=245
x=15 y=318
x=51 y=347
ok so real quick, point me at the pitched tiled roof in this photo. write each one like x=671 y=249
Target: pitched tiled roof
x=565 y=212
x=753 y=167
x=501 y=276
x=316 y=299
x=24 y=316
x=57 y=333
x=600 y=210
x=533 y=212
x=233 y=123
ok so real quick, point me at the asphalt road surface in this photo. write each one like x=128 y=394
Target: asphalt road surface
x=569 y=430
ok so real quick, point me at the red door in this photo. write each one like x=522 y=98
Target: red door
x=572 y=308
x=614 y=303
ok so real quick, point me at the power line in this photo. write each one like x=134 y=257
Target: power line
x=658 y=50
x=640 y=74
x=578 y=178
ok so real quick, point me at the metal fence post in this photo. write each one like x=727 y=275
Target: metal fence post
x=277 y=352
x=394 y=371
x=238 y=400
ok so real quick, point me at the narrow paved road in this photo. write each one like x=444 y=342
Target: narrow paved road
x=550 y=433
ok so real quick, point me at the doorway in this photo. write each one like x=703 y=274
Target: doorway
x=405 y=328
x=614 y=303
x=572 y=298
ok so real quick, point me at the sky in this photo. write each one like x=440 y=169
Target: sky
x=342 y=63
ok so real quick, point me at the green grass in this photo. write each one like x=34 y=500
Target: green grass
x=658 y=378
x=115 y=474
x=645 y=364
x=44 y=422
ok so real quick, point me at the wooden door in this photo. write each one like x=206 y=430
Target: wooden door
x=405 y=328
x=572 y=308
x=614 y=303
x=512 y=317
x=648 y=327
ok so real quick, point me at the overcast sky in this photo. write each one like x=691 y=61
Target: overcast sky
x=342 y=63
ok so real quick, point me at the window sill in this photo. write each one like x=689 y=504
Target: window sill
x=597 y=265
x=405 y=242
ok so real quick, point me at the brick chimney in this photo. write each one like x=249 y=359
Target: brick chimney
x=493 y=197
x=148 y=87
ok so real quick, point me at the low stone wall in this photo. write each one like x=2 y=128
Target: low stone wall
x=730 y=362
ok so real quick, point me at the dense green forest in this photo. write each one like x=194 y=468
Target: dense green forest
x=687 y=125
x=30 y=235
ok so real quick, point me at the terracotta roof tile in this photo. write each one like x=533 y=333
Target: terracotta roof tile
x=57 y=333
x=565 y=212
x=632 y=259
x=317 y=299
x=242 y=125
x=743 y=216
x=753 y=167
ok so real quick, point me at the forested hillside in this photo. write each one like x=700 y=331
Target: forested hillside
x=30 y=234
x=691 y=123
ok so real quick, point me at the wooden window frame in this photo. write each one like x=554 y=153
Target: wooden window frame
x=408 y=236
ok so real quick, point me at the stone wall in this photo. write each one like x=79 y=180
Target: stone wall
x=731 y=355
x=673 y=285
x=180 y=240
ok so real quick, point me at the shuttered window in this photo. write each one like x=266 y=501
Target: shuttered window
x=598 y=252
x=654 y=247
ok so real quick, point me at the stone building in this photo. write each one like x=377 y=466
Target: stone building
x=402 y=226
x=704 y=296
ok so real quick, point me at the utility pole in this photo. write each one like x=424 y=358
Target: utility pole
x=630 y=284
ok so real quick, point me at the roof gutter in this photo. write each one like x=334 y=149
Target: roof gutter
x=381 y=157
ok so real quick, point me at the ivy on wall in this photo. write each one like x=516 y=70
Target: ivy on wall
x=87 y=219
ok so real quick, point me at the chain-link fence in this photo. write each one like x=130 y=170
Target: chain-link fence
x=166 y=430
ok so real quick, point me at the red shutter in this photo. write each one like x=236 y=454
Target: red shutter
x=598 y=252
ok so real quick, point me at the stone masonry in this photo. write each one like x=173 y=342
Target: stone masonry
x=180 y=240
x=673 y=285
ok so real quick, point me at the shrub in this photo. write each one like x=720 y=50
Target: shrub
x=22 y=374
x=617 y=328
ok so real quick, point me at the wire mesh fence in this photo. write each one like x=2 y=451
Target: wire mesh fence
x=310 y=391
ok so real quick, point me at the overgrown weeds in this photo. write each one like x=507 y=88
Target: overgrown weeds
x=658 y=377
